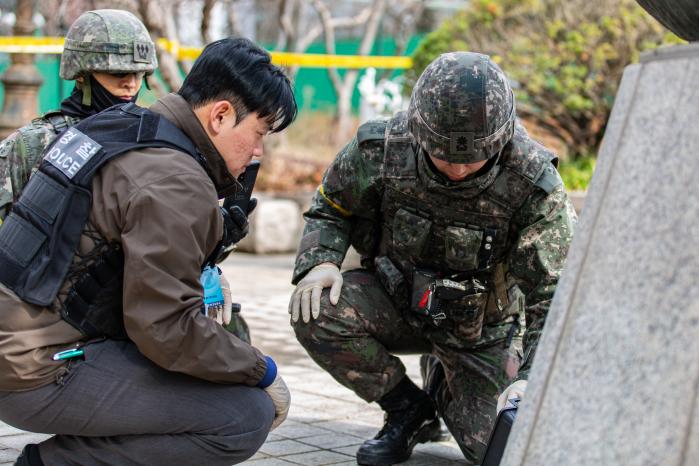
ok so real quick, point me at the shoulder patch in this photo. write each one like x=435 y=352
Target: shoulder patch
x=371 y=130
x=71 y=152
x=549 y=179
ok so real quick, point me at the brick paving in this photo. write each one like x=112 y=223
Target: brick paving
x=327 y=422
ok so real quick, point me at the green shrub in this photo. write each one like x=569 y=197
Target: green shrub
x=565 y=57
x=577 y=173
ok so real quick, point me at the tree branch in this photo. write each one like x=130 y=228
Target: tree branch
x=206 y=20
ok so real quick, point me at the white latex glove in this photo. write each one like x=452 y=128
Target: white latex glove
x=281 y=398
x=306 y=298
x=515 y=390
x=222 y=314
x=225 y=317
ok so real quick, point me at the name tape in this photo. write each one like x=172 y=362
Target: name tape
x=71 y=152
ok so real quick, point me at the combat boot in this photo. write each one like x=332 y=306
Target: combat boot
x=411 y=418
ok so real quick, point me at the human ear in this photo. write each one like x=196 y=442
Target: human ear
x=221 y=112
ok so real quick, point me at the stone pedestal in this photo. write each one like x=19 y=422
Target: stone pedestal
x=615 y=380
x=275 y=227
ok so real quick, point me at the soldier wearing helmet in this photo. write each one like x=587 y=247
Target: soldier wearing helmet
x=463 y=224
x=107 y=53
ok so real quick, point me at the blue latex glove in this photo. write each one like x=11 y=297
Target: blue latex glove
x=214 y=301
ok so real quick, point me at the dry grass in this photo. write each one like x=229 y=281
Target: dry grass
x=296 y=159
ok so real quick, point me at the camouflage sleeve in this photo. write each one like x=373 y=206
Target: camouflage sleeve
x=349 y=195
x=20 y=153
x=545 y=224
x=8 y=147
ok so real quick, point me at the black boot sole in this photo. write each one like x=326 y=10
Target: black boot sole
x=428 y=433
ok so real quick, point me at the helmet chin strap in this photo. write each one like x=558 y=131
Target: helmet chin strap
x=87 y=92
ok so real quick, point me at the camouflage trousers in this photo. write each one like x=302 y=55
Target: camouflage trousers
x=357 y=340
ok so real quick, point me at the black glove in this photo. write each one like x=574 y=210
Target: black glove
x=235 y=223
x=235 y=228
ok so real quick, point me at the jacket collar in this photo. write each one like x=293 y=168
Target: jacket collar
x=177 y=110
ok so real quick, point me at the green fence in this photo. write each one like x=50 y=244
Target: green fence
x=313 y=87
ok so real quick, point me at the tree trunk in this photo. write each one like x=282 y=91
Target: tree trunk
x=344 y=113
x=157 y=17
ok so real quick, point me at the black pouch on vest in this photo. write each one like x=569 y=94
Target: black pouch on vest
x=423 y=279
x=501 y=431
x=392 y=280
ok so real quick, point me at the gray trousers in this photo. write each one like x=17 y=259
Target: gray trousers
x=116 y=407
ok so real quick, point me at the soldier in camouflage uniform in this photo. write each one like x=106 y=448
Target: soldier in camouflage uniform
x=463 y=225
x=111 y=42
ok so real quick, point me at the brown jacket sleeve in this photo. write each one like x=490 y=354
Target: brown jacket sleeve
x=170 y=222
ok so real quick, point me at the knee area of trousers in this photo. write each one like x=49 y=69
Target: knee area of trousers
x=263 y=421
x=306 y=329
x=260 y=427
x=249 y=427
x=248 y=410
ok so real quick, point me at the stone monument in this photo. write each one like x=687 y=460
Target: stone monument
x=616 y=375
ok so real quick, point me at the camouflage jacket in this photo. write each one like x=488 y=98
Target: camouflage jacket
x=351 y=208
x=21 y=151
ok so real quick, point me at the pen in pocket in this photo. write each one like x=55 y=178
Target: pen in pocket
x=68 y=354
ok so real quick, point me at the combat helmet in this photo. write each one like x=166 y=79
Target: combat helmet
x=109 y=41
x=462 y=109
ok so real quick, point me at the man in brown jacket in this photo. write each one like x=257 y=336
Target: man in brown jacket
x=118 y=360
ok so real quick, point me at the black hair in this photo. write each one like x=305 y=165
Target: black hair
x=237 y=70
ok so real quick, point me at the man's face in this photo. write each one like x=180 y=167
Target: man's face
x=238 y=144
x=122 y=85
x=457 y=171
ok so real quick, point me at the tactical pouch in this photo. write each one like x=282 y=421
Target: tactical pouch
x=392 y=280
x=462 y=247
x=410 y=232
x=423 y=279
x=94 y=303
x=506 y=300
x=457 y=308
x=466 y=312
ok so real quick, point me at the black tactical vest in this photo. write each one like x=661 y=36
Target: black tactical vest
x=39 y=238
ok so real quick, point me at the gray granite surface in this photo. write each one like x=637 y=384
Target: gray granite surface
x=615 y=380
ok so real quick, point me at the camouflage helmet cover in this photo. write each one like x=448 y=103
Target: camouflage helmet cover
x=462 y=109
x=109 y=41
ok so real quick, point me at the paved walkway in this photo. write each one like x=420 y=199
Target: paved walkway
x=327 y=422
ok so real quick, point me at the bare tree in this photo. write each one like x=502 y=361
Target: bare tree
x=401 y=22
x=231 y=17
x=344 y=85
x=206 y=20
x=158 y=17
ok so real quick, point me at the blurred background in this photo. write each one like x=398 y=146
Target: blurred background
x=564 y=57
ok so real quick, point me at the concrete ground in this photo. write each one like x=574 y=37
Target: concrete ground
x=327 y=422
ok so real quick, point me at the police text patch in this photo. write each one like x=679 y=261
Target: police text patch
x=71 y=151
